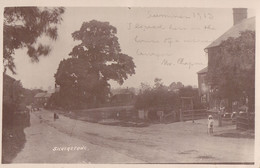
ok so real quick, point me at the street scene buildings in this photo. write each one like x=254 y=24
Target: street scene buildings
x=128 y=85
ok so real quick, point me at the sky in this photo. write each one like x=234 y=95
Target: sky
x=166 y=43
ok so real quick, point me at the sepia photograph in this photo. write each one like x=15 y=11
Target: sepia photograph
x=128 y=85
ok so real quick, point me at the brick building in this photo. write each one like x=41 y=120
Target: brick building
x=240 y=23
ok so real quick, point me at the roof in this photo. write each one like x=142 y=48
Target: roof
x=234 y=31
x=42 y=94
x=204 y=70
x=47 y=95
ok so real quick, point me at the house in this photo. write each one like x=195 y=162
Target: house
x=240 y=23
x=41 y=98
x=122 y=97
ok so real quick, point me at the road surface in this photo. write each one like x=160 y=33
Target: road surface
x=182 y=142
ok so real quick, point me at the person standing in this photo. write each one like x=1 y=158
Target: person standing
x=210 y=125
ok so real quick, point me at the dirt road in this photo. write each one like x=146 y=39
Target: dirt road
x=182 y=142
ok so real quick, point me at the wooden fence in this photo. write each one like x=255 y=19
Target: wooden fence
x=192 y=115
x=243 y=122
x=246 y=122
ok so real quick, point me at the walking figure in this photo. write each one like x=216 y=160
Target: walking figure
x=210 y=125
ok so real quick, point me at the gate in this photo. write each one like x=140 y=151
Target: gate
x=191 y=115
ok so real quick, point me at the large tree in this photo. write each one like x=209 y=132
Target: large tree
x=96 y=60
x=233 y=73
x=23 y=26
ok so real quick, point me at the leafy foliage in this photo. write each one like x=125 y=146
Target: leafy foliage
x=11 y=98
x=233 y=72
x=84 y=77
x=23 y=26
x=175 y=86
x=156 y=97
x=162 y=97
x=188 y=91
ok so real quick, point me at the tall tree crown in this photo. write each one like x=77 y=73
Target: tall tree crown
x=100 y=47
x=96 y=60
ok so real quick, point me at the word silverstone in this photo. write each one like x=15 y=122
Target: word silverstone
x=70 y=148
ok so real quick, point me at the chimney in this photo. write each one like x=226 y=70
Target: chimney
x=239 y=14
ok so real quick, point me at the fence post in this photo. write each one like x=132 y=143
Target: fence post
x=248 y=122
x=237 y=124
x=181 y=117
x=192 y=115
x=219 y=118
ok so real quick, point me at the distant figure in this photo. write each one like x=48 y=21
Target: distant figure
x=222 y=109
x=55 y=116
x=210 y=125
x=32 y=107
